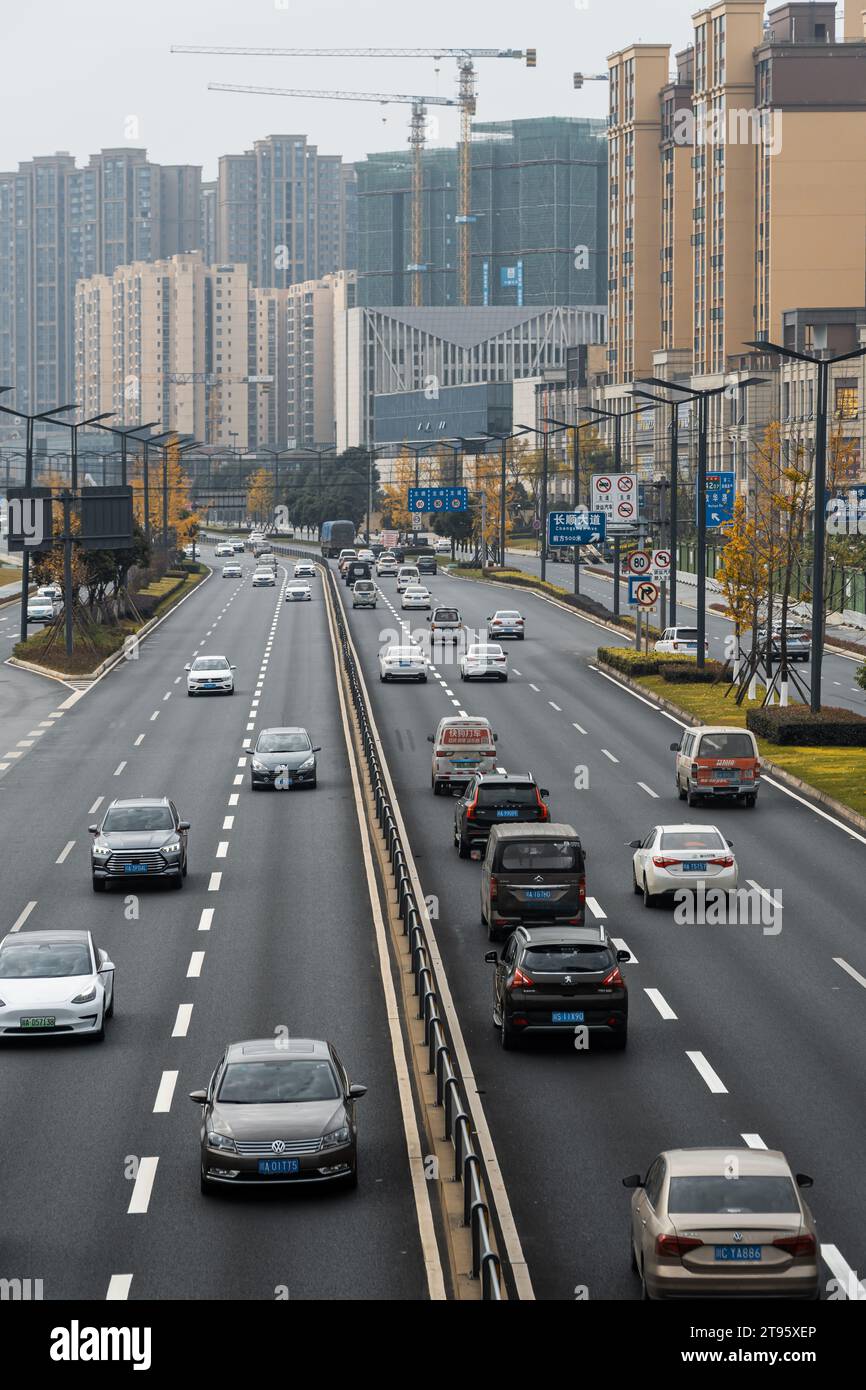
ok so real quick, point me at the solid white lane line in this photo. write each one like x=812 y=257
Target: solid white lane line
x=763 y=892
x=234 y=798
x=855 y=974
x=196 y=961
x=642 y=699
x=19 y=921
x=753 y=1141
x=96 y=805
x=660 y=1002
x=155 y=715
x=607 y=753
x=162 y=1104
x=624 y=946
x=181 y=1023
x=597 y=911
x=222 y=849
x=205 y=921
x=119 y=768
x=649 y=791
x=702 y=1066
x=215 y=881
x=139 y=741
x=142 y=1187
x=843 y=1273
x=840 y=825
x=228 y=822
x=118 y=1288
x=62 y=856
x=553 y=706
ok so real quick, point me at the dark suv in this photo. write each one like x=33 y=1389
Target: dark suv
x=496 y=798
x=426 y=564
x=139 y=837
x=550 y=980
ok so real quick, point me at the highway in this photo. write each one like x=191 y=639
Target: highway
x=747 y=1036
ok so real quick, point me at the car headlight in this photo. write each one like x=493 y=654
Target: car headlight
x=221 y=1141
x=173 y=848
x=85 y=996
x=259 y=767
x=336 y=1138
x=308 y=764
x=101 y=849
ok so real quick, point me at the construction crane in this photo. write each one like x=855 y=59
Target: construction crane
x=466 y=100
x=417 y=135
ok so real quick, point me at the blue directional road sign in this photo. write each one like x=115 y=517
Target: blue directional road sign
x=438 y=499
x=575 y=528
x=719 y=498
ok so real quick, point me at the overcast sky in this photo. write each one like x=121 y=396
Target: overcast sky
x=81 y=75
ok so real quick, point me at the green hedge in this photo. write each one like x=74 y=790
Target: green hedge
x=631 y=662
x=687 y=673
x=796 y=724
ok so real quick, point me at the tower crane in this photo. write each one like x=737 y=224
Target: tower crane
x=417 y=131
x=466 y=99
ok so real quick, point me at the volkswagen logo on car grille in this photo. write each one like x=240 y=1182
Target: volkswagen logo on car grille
x=738 y=1235
x=278 y=1146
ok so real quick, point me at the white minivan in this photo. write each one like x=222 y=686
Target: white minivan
x=462 y=746
x=406 y=575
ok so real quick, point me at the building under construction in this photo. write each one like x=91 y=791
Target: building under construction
x=538 y=230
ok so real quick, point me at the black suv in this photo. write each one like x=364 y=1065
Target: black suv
x=496 y=798
x=555 y=980
x=426 y=564
x=139 y=837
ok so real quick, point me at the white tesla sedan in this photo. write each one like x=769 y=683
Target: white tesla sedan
x=484 y=659
x=210 y=675
x=402 y=664
x=54 y=982
x=673 y=857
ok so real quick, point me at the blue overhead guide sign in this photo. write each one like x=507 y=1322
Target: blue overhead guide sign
x=575 y=528
x=438 y=499
x=719 y=498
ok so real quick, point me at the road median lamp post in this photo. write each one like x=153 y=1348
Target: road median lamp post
x=598 y=413
x=673 y=484
x=74 y=426
x=819 y=504
x=503 y=480
x=124 y=434
x=545 y=470
x=703 y=398
x=575 y=426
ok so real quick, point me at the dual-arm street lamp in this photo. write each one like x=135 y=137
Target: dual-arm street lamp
x=125 y=433
x=575 y=427
x=74 y=427
x=598 y=413
x=503 y=468
x=545 y=465
x=674 y=432
x=819 y=505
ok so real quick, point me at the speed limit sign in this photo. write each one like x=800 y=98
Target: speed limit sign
x=639 y=562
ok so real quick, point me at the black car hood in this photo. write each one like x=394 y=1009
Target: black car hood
x=289 y=760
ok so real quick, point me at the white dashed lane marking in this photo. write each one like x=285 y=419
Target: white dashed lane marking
x=64 y=853
x=182 y=1022
x=118 y=1288
x=165 y=1092
x=660 y=1002
x=20 y=920
x=703 y=1068
x=205 y=922
x=143 y=1186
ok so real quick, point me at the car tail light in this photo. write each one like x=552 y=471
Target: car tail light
x=676 y=646
x=470 y=809
x=661 y=862
x=676 y=1245
x=725 y=861
x=582 y=890
x=545 y=813
x=613 y=977
x=796 y=1245
x=494 y=888
x=519 y=980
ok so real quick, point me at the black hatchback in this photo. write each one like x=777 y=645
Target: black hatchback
x=496 y=798
x=550 y=980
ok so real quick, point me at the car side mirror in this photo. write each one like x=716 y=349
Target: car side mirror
x=200 y=1097
x=634 y=1180
x=730 y=844
x=356 y=1092
x=495 y=738
x=543 y=791
x=803 y=1180
x=634 y=844
x=318 y=749
x=492 y=957
x=183 y=825
x=675 y=748
x=430 y=738
x=93 y=829
x=106 y=965
x=234 y=667
x=623 y=955
x=187 y=667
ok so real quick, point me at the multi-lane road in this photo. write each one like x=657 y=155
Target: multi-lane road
x=738 y=1035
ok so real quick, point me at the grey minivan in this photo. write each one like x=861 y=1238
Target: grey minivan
x=532 y=875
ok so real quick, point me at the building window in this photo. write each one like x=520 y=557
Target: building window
x=847 y=398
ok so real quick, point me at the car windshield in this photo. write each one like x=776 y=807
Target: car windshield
x=726 y=746
x=733 y=1196
x=43 y=960
x=685 y=634
x=532 y=856
x=582 y=959
x=482 y=652
x=282 y=743
x=401 y=654
x=285 y=1081
x=692 y=839
x=504 y=617
x=446 y=615
x=135 y=818
x=518 y=795
x=364 y=586
x=209 y=663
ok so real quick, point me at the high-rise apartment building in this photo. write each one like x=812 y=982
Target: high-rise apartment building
x=59 y=224
x=538 y=234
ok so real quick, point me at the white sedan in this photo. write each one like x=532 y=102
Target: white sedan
x=264 y=579
x=304 y=570
x=673 y=857
x=416 y=596
x=298 y=591
x=213 y=675
x=506 y=622
x=54 y=982
x=232 y=571
x=402 y=664
x=481 y=660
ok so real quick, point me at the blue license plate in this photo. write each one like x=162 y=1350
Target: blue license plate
x=271 y=1166
x=537 y=894
x=507 y=815
x=135 y=868
x=568 y=1017
x=739 y=1254
x=695 y=866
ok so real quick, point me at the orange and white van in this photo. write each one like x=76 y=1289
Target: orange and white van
x=717 y=761
x=462 y=746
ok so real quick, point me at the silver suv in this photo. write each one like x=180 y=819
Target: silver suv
x=364 y=594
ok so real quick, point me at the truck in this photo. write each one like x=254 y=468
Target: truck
x=335 y=536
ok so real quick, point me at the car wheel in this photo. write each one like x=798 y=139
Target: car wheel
x=520 y=638
x=422 y=680
x=463 y=847
x=493 y=933
x=435 y=785
x=99 y=1035
x=109 y=1012
x=649 y=899
x=618 y=1041
x=691 y=797
x=634 y=883
x=207 y=1189
x=503 y=678
x=680 y=793
x=351 y=1182
x=752 y=799
x=635 y=1268
x=506 y=1036
x=98 y=884
x=177 y=883
x=184 y=866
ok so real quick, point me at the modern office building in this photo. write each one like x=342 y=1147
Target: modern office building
x=60 y=224
x=285 y=211
x=538 y=231
x=208 y=222
x=309 y=337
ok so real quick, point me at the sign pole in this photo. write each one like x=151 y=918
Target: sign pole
x=67 y=567
x=637 y=613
